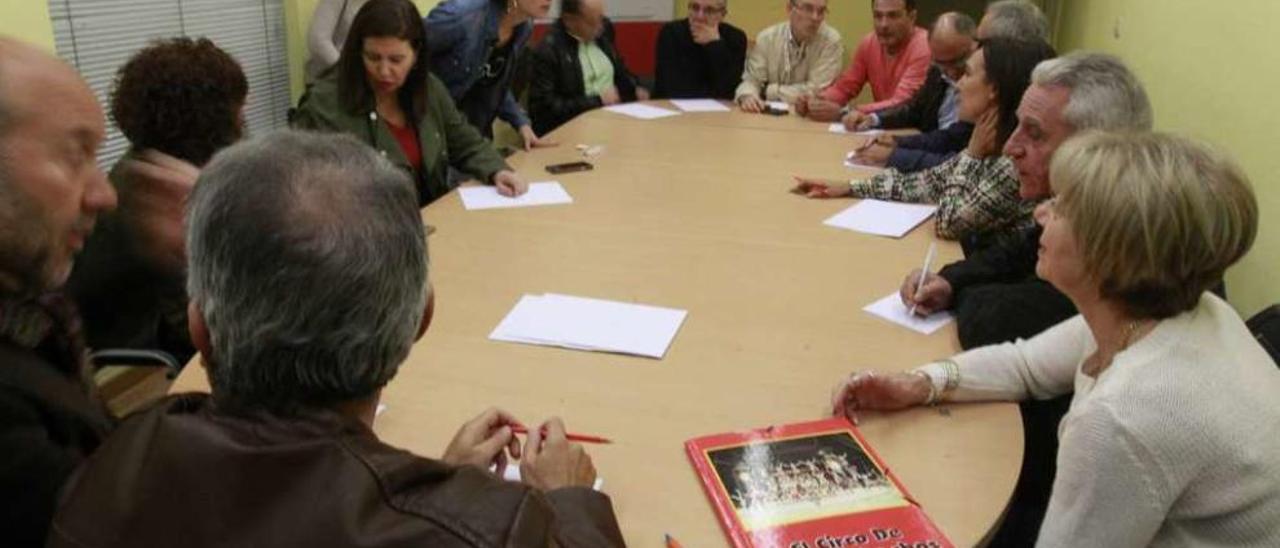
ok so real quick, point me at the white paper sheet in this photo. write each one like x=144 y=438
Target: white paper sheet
x=487 y=197
x=700 y=105
x=780 y=105
x=892 y=309
x=512 y=473
x=882 y=218
x=642 y=111
x=850 y=161
x=838 y=127
x=590 y=324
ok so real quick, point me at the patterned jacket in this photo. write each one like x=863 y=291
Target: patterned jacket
x=974 y=196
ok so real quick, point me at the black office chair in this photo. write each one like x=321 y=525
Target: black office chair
x=1265 y=327
x=136 y=357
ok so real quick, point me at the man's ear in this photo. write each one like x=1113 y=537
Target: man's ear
x=427 y=312
x=199 y=333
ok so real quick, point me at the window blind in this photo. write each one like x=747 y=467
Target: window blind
x=99 y=36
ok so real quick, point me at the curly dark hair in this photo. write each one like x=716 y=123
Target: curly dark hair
x=180 y=96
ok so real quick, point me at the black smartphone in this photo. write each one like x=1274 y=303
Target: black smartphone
x=769 y=109
x=570 y=167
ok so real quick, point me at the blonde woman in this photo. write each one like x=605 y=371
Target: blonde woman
x=1173 y=435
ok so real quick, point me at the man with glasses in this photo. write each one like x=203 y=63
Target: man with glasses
x=893 y=60
x=792 y=59
x=932 y=110
x=700 y=56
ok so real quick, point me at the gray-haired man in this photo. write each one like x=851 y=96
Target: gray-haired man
x=995 y=291
x=1017 y=19
x=308 y=285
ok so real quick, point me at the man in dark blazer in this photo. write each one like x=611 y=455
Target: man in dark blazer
x=932 y=110
x=51 y=193
x=576 y=68
x=700 y=56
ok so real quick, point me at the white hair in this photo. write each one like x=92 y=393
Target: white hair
x=1104 y=93
x=1017 y=19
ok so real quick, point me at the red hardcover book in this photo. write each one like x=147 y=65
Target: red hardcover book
x=808 y=485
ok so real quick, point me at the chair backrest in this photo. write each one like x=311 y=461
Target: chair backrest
x=1265 y=327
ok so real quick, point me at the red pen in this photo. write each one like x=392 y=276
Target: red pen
x=570 y=436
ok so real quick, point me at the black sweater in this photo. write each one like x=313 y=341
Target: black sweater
x=687 y=70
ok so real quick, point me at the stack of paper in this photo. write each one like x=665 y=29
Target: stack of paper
x=700 y=105
x=882 y=218
x=892 y=309
x=642 y=111
x=487 y=197
x=590 y=324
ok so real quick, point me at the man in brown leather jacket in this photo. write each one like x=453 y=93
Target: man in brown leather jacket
x=308 y=286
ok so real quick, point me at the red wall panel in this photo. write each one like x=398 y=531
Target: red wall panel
x=636 y=43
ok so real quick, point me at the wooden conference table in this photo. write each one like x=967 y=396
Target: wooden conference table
x=691 y=212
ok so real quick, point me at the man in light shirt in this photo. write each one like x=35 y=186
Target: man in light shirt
x=792 y=59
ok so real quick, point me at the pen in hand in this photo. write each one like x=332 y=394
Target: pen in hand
x=924 y=273
x=583 y=438
x=867 y=144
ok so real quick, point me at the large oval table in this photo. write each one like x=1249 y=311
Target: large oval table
x=691 y=212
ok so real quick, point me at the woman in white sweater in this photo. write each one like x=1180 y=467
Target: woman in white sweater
x=1173 y=436
x=329 y=25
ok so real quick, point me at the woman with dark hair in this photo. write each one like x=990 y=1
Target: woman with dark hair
x=473 y=47
x=382 y=93
x=178 y=102
x=977 y=190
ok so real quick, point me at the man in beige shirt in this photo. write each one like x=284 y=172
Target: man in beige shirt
x=799 y=57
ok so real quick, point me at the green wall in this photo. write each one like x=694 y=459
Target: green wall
x=27 y=20
x=1212 y=70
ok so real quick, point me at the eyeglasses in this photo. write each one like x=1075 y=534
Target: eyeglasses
x=810 y=9
x=709 y=11
x=957 y=63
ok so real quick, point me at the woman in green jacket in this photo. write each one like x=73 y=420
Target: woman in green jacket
x=382 y=93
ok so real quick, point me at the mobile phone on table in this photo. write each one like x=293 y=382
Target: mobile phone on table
x=771 y=110
x=570 y=167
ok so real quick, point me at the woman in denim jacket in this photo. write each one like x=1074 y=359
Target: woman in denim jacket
x=473 y=47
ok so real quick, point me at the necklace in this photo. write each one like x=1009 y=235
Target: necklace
x=1129 y=331
x=1094 y=365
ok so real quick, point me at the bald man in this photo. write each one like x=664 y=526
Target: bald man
x=933 y=110
x=51 y=193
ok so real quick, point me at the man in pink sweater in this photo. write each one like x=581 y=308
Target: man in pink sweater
x=893 y=60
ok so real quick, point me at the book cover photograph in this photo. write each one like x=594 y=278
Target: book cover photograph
x=807 y=485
